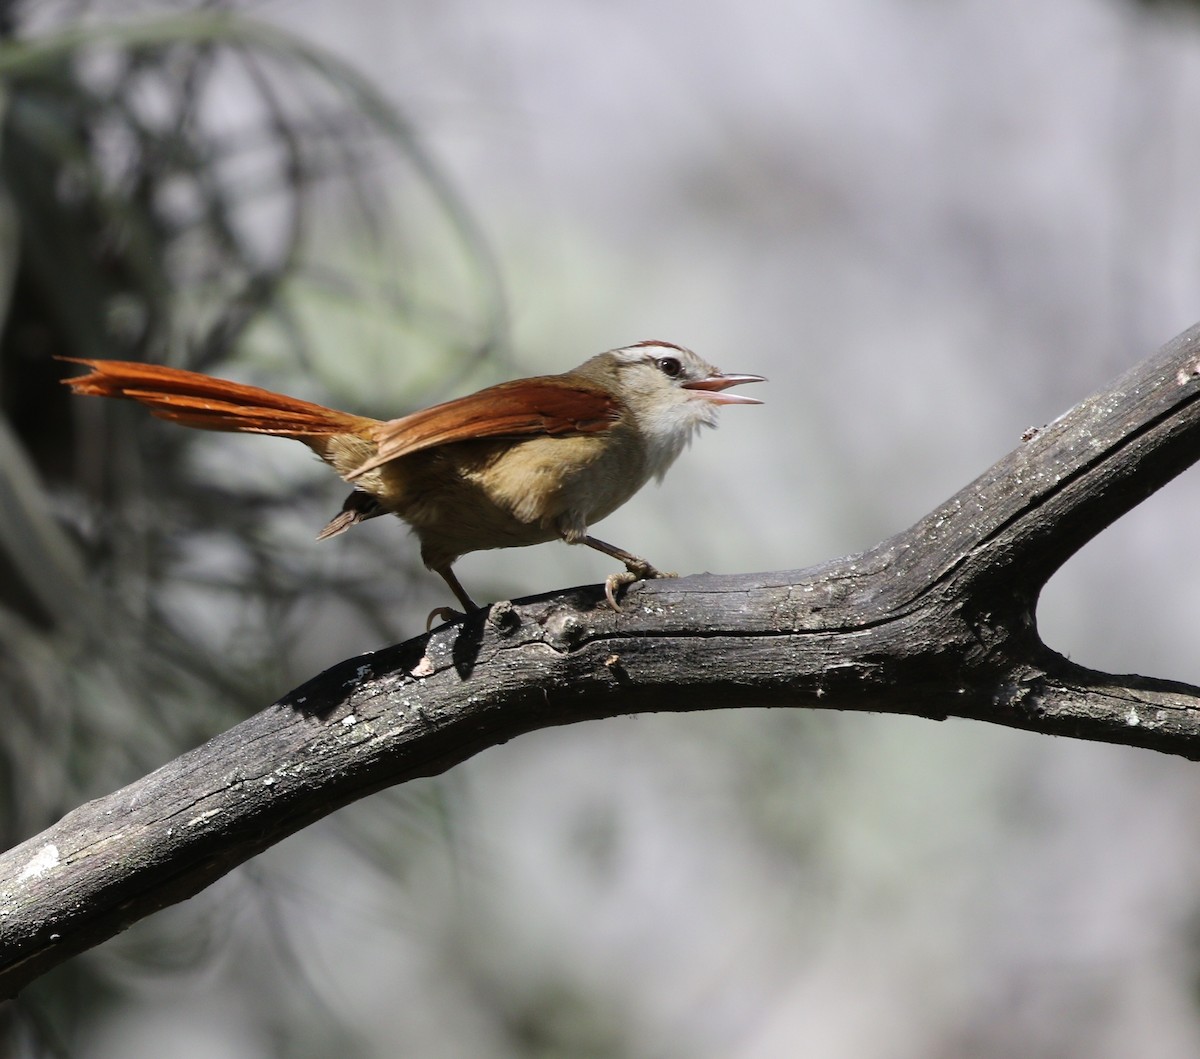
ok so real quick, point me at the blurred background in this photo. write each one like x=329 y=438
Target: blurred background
x=932 y=226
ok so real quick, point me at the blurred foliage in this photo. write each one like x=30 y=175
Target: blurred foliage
x=187 y=185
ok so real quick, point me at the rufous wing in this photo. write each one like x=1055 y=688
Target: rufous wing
x=546 y=405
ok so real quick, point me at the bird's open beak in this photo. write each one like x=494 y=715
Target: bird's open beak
x=711 y=388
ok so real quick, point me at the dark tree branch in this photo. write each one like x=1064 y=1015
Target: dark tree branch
x=936 y=622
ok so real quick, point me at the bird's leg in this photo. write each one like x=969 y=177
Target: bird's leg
x=449 y=613
x=636 y=569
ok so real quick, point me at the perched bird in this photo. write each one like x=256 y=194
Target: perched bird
x=524 y=462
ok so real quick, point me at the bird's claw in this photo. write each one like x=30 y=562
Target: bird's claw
x=640 y=570
x=443 y=613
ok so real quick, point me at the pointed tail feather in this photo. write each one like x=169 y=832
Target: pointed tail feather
x=359 y=507
x=197 y=400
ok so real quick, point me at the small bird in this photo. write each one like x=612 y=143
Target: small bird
x=521 y=463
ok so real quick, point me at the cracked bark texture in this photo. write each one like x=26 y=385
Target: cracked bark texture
x=937 y=621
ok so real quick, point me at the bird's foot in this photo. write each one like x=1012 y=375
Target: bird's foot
x=445 y=614
x=635 y=570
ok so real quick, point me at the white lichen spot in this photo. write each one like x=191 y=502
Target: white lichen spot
x=202 y=817
x=1132 y=719
x=268 y=781
x=349 y=721
x=41 y=862
x=423 y=668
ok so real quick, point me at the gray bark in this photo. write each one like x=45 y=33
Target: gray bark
x=938 y=621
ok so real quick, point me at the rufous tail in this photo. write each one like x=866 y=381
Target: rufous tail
x=197 y=400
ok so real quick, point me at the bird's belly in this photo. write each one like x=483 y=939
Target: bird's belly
x=553 y=481
x=480 y=495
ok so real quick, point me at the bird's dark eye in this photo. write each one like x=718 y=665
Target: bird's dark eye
x=670 y=367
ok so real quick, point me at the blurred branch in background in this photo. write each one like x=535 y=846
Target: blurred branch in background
x=194 y=187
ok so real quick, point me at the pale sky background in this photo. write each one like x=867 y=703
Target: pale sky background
x=932 y=225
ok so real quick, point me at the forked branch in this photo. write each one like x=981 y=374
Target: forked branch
x=937 y=622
